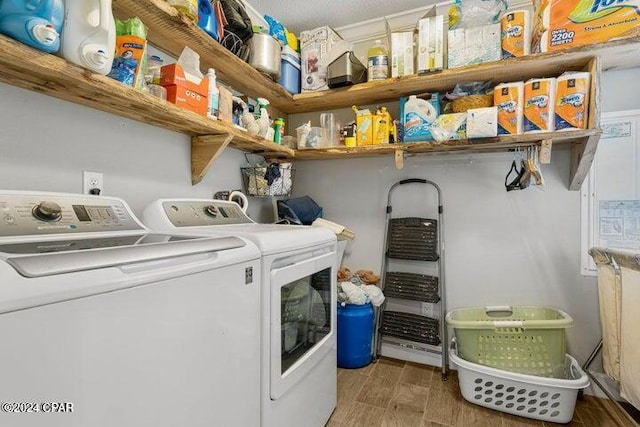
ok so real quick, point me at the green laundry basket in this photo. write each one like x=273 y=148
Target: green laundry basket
x=522 y=339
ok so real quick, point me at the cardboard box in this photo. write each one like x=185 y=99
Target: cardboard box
x=225 y=105
x=428 y=45
x=402 y=54
x=431 y=44
x=314 y=45
x=183 y=90
x=561 y=24
x=468 y=46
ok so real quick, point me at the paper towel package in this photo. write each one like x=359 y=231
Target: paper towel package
x=516 y=34
x=468 y=46
x=431 y=44
x=482 y=122
x=509 y=97
x=402 y=54
x=572 y=101
x=314 y=45
x=560 y=24
x=539 y=105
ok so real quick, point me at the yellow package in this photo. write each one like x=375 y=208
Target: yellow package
x=364 y=126
x=566 y=23
x=539 y=103
x=382 y=126
x=516 y=34
x=572 y=101
x=509 y=97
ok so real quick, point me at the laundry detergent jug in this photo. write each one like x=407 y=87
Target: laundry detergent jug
x=36 y=23
x=89 y=34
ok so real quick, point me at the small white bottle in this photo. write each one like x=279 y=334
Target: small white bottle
x=213 y=95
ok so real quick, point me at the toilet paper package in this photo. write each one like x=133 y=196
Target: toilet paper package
x=482 y=122
x=572 y=101
x=516 y=34
x=509 y=99
x=539 y=103
x=560 y=24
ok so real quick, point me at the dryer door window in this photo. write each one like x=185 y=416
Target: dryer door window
x=305 y=316
x=302 y=319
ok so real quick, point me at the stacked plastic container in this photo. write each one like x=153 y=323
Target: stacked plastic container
x=513 y=359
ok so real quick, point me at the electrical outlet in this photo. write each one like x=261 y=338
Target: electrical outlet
x=92 y=183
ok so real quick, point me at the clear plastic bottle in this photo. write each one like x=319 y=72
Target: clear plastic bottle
x=213 y=95
x=377 y=62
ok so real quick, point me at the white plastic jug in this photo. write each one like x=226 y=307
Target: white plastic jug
x=89 y=34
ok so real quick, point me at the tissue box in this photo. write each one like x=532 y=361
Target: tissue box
x=468 y=46
x=315 y=45
x=183 y=92
x=482 y=122
x=431 y=44
x=402 y=54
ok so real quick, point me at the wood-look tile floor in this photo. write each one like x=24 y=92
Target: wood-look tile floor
x=394 y=393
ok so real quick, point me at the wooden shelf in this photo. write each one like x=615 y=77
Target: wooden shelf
x=500 y=143
x=35 y=70
x=617 y=54
x=170 y=31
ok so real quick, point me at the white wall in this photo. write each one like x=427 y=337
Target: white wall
x=521 y=247
x=45 y=144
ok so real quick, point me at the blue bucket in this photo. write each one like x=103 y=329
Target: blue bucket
x=355 y=333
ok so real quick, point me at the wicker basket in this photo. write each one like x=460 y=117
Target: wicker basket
x=461 y=105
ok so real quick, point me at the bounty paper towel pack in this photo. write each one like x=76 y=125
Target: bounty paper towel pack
x=559 y=24
x=509 y=98
x=572 y=100
x=516 y=34
x=539 y=103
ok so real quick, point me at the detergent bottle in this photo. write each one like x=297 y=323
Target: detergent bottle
x=377 y=62
x=36 y=23
x=89 y=34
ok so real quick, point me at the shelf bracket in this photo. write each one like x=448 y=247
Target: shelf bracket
x=399 y=158
x=204 y=151
x=582 y=154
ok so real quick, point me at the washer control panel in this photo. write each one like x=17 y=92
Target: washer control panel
x=22 y=215
x=199 y=213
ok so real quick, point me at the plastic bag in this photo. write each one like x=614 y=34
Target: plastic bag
x=276 y=29
x=475 y=13
x=469 y=88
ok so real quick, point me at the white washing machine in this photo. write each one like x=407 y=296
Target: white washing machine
x=104 y=323
x=298 y=376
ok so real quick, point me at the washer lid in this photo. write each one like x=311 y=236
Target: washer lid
x=45 y=258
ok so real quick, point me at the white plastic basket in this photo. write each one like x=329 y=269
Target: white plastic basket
x=540 y=398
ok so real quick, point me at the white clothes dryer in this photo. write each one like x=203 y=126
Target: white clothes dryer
x=298 y=345
x=118 y=326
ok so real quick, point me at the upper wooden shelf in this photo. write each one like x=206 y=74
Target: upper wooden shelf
x=618 y=54
x=170 y=31
x=41 y=72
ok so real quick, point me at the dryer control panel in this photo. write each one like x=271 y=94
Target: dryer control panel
x=34 y=214
x=203 y=213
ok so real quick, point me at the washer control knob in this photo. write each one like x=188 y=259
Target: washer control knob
x=211 y=210
x=47 y=211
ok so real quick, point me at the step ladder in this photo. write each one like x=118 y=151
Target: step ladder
x=416 y=245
